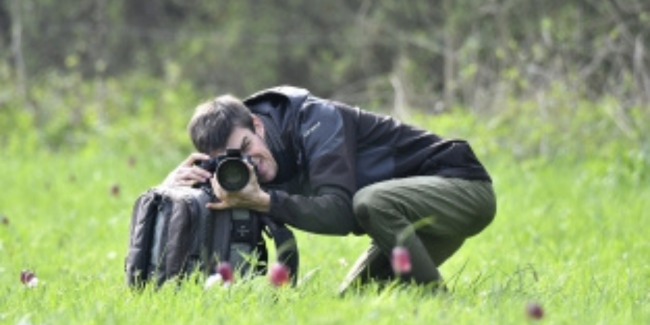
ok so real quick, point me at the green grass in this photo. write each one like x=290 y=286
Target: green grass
x=569 y=235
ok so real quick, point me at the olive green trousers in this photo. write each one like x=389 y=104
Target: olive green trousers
x=430 y=216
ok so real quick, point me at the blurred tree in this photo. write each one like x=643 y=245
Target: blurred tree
x=5 y=25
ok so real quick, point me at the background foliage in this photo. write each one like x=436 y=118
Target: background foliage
x=74 y=67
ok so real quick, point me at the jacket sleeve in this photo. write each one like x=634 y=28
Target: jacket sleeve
x=327 y=212
x=328 y=150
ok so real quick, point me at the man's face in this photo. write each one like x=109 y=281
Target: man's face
x=253 y=144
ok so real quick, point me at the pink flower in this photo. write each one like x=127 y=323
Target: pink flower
x=28 y=278
x=401 y=260
x=225 y=270
x=279 y=274
x=534 y=310
x=115 y=190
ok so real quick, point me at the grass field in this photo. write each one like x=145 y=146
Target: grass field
x=569 y=235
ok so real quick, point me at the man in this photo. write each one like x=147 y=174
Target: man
x=328 y=168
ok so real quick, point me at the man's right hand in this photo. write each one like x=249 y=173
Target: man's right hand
x=187 y=173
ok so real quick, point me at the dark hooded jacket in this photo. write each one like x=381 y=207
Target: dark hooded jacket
x=327 y=151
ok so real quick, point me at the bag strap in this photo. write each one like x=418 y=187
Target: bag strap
x=285 y=244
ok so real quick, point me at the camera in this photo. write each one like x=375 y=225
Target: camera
x=230 y=169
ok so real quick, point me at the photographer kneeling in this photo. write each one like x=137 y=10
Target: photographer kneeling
x=330 y=168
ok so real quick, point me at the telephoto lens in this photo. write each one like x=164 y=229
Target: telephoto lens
x=232 y=171
x=233 y=175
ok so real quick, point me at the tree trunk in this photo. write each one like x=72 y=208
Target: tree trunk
x=15 y=11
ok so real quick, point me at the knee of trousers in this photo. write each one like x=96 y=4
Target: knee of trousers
x=370 y=202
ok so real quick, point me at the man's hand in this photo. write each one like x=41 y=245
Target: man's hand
x=250 y=197
x=187 y=173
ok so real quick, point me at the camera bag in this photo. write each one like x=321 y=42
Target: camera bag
x=173 y=234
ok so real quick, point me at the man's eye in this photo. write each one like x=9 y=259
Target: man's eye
x=245 y=145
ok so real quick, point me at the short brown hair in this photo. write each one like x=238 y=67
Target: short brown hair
x=214 y=120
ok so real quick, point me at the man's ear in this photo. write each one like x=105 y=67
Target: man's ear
x=259 y=126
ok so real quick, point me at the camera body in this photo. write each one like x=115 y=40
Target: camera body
x=230 y=169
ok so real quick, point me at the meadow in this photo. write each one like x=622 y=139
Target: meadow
x=569 y=234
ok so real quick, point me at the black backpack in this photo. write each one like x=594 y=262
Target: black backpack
x=173 y=234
